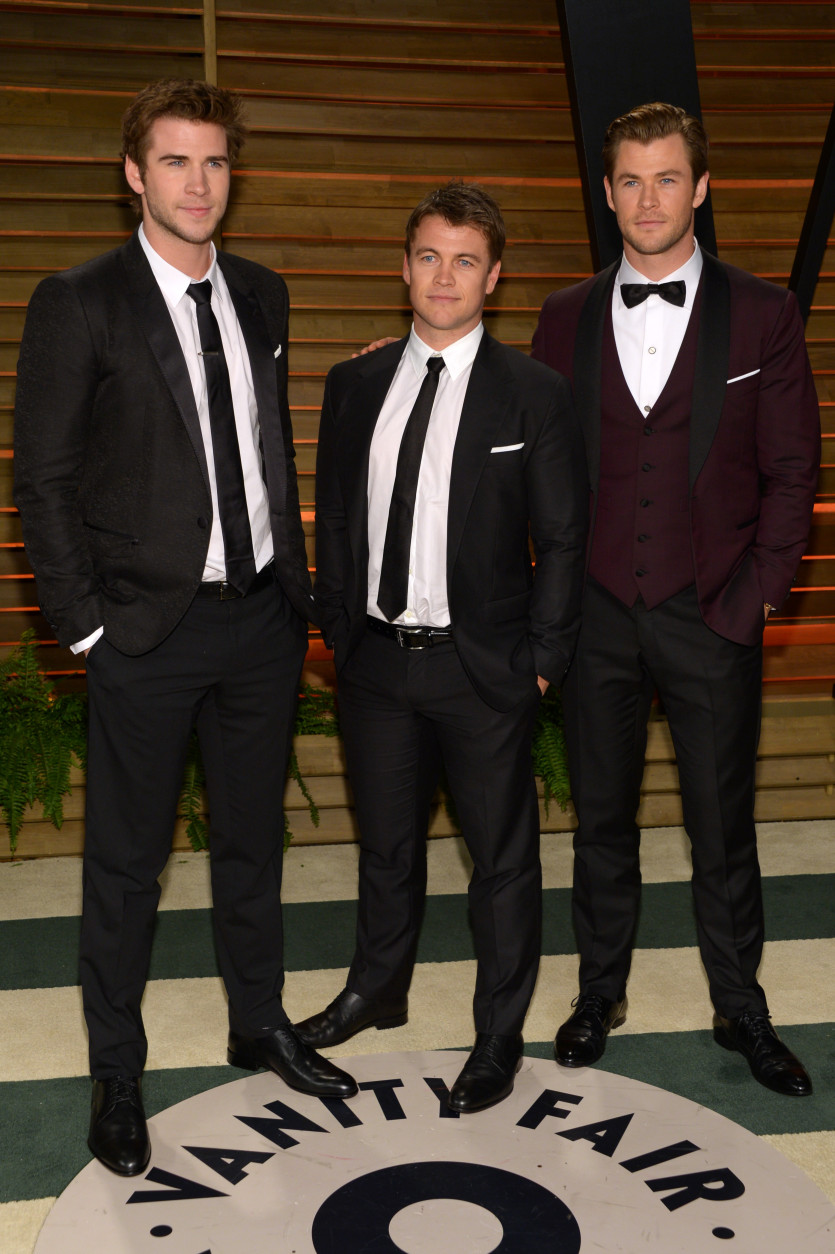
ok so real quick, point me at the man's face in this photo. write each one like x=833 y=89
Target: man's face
x=449 y=274
x=185 y=184
x=653 y=197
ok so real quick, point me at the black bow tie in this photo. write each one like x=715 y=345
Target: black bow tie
x=634 y=293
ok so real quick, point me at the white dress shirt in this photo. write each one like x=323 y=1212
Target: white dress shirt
x=173 y=284
x=648 y=336
x=426 y=603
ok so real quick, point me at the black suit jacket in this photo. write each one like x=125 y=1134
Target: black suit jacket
x=508 y=625
x=110 y=467
x=754 y=432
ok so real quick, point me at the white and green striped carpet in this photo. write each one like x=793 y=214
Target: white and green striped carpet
x=44 y=1090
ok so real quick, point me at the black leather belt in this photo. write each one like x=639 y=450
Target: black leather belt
x=223 y=591
x=409 y=637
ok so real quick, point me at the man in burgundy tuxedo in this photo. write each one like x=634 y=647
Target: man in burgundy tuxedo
x=699 y=414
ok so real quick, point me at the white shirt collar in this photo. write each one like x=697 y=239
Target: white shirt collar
x=691 y=272
x=457 y=357
x=172 y=282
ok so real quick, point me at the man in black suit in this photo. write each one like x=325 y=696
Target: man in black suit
x=157 y=491
x=700 y=421
x=438 y=456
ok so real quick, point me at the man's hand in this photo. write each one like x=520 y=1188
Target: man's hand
x=543 y=684
x=371 y=348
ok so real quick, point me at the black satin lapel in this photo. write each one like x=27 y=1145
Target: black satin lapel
x=712 y=357
x=152 y=314
x=489 y=392
x=588 y=355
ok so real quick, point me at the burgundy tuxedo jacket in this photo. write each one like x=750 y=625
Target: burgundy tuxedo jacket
x=754 y=444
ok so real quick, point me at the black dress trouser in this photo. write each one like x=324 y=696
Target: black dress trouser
x=231 y=668
x=405 y=713
x=711 y=689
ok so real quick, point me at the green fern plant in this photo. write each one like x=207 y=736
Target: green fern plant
x=40 y=735
x=548 y=750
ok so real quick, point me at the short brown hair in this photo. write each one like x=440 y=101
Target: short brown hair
x=656 y=121
x=186 y=98
x=462 y=204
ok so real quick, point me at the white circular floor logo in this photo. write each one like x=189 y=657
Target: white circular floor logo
x=570 y=1161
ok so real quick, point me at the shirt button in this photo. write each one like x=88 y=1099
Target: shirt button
x=647 y=409
x=645 y=503
x=639 y=574
x=650 y=351
x=646 y=466
x=648 y=430
x=642 y=538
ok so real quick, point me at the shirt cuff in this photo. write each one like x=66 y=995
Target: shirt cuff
x=88 y=642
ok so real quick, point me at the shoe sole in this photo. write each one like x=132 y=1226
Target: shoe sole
x=564 y=1062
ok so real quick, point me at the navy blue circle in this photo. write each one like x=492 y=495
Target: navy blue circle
x=724 y=1234
x=161 y=1230
x=356 y=1218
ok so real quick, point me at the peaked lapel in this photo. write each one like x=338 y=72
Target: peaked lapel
x=261 y=353
x=489 y=393
x=712 y=357
x=151 y=312
x=588 y=357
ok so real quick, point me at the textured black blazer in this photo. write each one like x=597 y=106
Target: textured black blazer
x=110 y=468
x=508 y=624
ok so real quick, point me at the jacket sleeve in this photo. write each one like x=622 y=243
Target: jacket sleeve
x=57 y=379
x=331 y=526
x=788 y=454
x=558 y=504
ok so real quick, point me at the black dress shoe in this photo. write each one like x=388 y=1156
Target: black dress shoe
x=582 y=1038
x=283 y=1052
x=348 y=1014
x=770 y=1061
x=488 y=1074
x=118 y=1131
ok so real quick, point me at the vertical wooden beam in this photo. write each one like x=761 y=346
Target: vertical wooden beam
x=618 y=55
x=209 y=41
x=816 y=226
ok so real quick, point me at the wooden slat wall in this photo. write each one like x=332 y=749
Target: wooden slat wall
x=356 y=110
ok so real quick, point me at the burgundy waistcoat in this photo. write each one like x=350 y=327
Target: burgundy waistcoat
x=641 y=540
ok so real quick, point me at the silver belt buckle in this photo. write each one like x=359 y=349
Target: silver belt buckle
x=408 y=639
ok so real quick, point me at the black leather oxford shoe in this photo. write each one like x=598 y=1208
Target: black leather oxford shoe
x=582 y=1038
x=283 y=1052
x=771 y=1063
x=348 y=1014
x=118 y=1131
x=488 y=1074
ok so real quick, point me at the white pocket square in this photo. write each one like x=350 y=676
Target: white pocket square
x=507 y=448
x=277 y=352
x=737 y=377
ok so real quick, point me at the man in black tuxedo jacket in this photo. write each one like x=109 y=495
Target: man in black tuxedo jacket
x=157 y=490
x=439 y=456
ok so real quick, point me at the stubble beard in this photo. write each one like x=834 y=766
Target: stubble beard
x=200 y=233
x=654 y=246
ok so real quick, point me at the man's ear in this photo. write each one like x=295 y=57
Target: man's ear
x=608 y=189
x=700 y=190
x=493 y=277
x=407 y=272
x=134 y=177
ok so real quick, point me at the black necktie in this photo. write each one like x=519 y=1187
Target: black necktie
x=634 y=293
x=394 y=573
x=229 y=475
